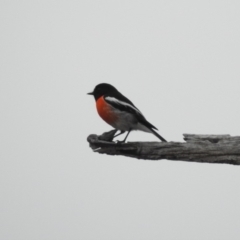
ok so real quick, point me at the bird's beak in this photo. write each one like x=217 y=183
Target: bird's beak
x=90 y=93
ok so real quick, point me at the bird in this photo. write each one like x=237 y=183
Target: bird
x=119 y=112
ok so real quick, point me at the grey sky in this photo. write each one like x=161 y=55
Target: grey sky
x=178 y=61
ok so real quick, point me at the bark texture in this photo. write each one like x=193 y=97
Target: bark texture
x=197 y=148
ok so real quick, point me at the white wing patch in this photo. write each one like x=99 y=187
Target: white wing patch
x=112 y=99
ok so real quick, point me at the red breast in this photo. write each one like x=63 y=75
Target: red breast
x=105 y=111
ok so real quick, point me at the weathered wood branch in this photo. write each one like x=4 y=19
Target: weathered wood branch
x=197 y=148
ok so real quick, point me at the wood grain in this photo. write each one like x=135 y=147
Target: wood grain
x=197 y=148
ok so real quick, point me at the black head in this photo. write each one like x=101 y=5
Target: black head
x=102 y=89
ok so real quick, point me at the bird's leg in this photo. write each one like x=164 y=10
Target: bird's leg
x=124 y=140
x=121 y=132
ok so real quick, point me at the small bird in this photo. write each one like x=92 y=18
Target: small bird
x=119 y=112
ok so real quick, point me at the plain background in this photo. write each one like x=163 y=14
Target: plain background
x=178 y=61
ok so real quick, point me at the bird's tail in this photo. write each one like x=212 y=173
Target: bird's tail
x=148 y=127
x=157 y=135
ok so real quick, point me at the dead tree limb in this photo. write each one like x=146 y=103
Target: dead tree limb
x=197 y=148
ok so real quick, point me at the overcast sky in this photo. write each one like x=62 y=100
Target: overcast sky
x=178 y=62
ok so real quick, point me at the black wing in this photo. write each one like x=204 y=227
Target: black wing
x=121 y=103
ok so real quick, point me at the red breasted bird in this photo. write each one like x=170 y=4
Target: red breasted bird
x=120 y=112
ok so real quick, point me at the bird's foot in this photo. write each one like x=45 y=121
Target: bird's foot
x=120 y=142
x=107 y=136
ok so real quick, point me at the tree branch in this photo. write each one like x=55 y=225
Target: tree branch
x=197 y=148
